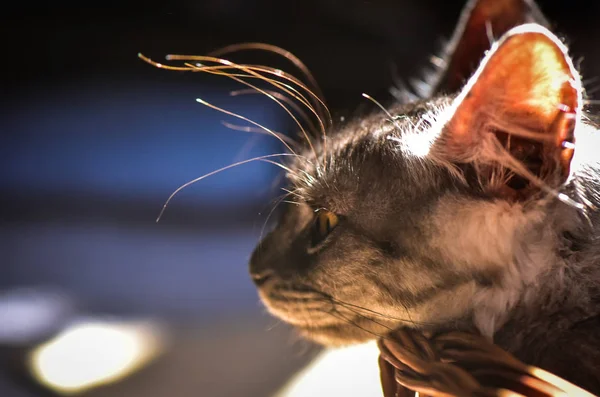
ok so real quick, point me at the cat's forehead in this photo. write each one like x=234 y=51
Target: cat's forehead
x=364 y=160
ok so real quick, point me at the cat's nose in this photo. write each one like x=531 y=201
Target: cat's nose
x=260 y=278
x=260 y=269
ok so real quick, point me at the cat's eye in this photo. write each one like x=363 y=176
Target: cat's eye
x=325 y=222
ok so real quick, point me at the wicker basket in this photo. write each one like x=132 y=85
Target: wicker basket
x=460 y=364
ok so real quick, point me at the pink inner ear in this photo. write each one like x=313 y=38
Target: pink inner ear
x=526 y=87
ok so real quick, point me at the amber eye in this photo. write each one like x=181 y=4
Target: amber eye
x=325 y=222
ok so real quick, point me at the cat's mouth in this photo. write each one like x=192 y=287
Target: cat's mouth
x=322 y=318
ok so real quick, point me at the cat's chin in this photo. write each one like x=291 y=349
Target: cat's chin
x=352 y=331
x=341 y=335
x=316 y=318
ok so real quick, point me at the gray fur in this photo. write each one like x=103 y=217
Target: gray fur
x=421 y=243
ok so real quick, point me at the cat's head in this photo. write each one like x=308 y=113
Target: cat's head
x=422 y=217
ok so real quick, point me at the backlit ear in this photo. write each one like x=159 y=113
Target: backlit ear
x=525 y=97
x=480 y=23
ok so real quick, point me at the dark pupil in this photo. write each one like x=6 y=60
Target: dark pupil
x=321 y=229
x=327 y=226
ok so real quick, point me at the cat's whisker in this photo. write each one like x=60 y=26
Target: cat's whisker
x=292 y=192
x=336 y=313
x=163 y=66
x=228 y=64
x=310 y=180
x=252 y=71
x=379 y=105
x=291 y=202
x=282 y=98
x=268 y=130
x=245 y=128
x=262 y=229
x=245 y=69
x=220 y=70
x=400 y=89
x=244 y=151
x=260 y=158
x=288 y=111
x=361 y=315
x=348 y=305
x=274 y=325
x=591 y=101
x=295 y=93
x=279 y=51
x=286 y=168
x=274 y=82
x=319 y=103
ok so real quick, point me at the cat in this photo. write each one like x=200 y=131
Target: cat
x=473 y=208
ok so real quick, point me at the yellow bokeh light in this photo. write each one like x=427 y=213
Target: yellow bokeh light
x=93 y=353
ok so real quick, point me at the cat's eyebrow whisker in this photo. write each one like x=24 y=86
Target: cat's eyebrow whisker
x=320 y=108
x=276 y=50
x=245 y=128
x=266 y=93
x=260 y=158
x=269 y=131
x=292 y=192
x=245 y=69
x=290 y=90
x=309 y=178
x=252 y=72
x=288 y=111
x=283 y=167
x=251 y=69
x=379 y=105
x=262 y=229
x=162 y=65
x=282 y=98
x=290 y=202
x=591 y=101
x=278 y=201
x=279 y=51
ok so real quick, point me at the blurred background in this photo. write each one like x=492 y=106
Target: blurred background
x=93 y=141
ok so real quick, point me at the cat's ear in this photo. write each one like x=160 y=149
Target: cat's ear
x=524 y=100
x=481 y=22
